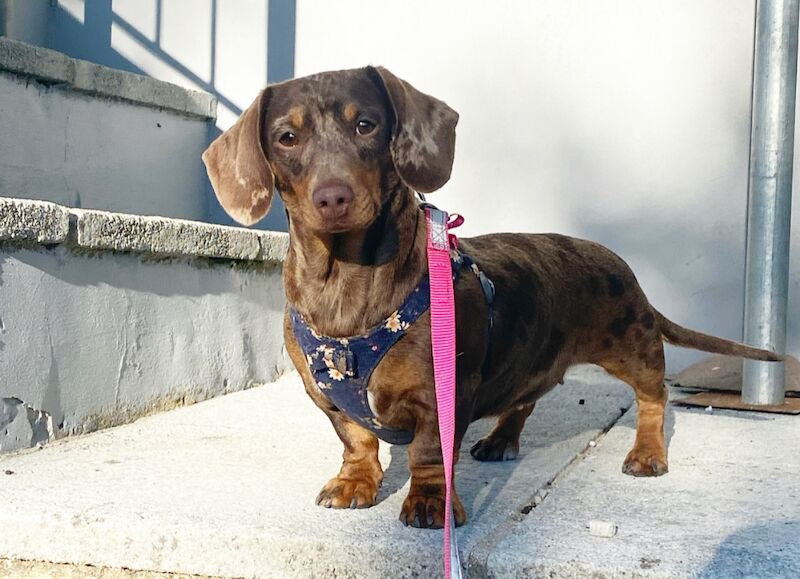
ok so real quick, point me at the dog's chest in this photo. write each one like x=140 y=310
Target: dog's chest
x=342 y=367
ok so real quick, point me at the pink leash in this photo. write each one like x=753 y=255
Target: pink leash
x=443 y=339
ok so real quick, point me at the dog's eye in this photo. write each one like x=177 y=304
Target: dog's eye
x=288 y=139
x=365 y=127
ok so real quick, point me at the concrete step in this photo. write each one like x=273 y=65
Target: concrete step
x=85 y=135
x=729 y=507
x=227 y=487
x=105 y=317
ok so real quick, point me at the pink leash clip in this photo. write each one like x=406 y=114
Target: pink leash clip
x=443 y=342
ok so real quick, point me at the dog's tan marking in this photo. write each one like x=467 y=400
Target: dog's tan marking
x=350 y=112
x=296 y=117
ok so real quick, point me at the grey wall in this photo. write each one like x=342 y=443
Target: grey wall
x=621 y=121
x=95 y=338
x=83 y=151
x=25 y=20
x=229 y=48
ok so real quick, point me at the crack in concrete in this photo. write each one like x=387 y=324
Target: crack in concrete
x=11 y=568
x=477 y=560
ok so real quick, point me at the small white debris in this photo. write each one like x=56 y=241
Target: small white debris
x=709 y=409
x=592 y=443
x=604 y=529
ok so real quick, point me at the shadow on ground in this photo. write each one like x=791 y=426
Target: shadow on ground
x=742 y=554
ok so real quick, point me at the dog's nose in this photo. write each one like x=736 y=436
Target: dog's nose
x=332 y=200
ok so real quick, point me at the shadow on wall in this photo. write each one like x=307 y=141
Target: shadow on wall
x=715 y=308
x=83 y=29
x=91 y=40
x=690 y=265
x=691 y=270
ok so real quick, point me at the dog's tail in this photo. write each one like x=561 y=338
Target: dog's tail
x=686 y=338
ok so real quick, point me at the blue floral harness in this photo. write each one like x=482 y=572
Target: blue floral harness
x=342 y=366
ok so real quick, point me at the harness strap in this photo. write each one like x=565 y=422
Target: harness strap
x=443 y=342
x=461 y=259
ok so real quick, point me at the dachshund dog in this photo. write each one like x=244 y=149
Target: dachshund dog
x=347 y=151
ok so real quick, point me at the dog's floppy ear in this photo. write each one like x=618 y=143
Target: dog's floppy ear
x=424 y=133
x=238 y=167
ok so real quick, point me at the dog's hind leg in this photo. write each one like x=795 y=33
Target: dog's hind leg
x=645 y=374
x=502 y=443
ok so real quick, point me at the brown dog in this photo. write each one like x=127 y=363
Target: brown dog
x=347 y=150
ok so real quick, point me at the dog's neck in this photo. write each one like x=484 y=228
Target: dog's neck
x=346 y=283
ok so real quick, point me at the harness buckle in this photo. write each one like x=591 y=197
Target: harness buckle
x=437 y=221
x=488 y=287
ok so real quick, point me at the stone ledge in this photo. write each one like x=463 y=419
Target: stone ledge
x=33 y=221
x=51 y=66
x=40 y=222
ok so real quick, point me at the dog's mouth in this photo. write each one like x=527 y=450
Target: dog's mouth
x=359 y=216
x=345 y=224
x=336 y=227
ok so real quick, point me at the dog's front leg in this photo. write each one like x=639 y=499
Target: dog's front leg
x=358 y=481
x=356 y=486
x=424 y=505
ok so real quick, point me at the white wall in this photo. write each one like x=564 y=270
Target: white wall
x=622 y=121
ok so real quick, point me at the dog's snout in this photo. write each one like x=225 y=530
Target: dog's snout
x=333 y=200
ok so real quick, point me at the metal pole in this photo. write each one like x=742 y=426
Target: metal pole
x=770 y=196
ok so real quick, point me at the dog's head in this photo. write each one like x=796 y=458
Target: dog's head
x=332 y=144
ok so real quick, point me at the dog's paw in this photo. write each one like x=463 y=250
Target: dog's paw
x=427 y=512
x=348 y=493
x=639 y=463
x=493 y=449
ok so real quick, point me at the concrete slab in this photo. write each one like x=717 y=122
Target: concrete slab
x=227 y=487
x=729 y=507
x=39 y=570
